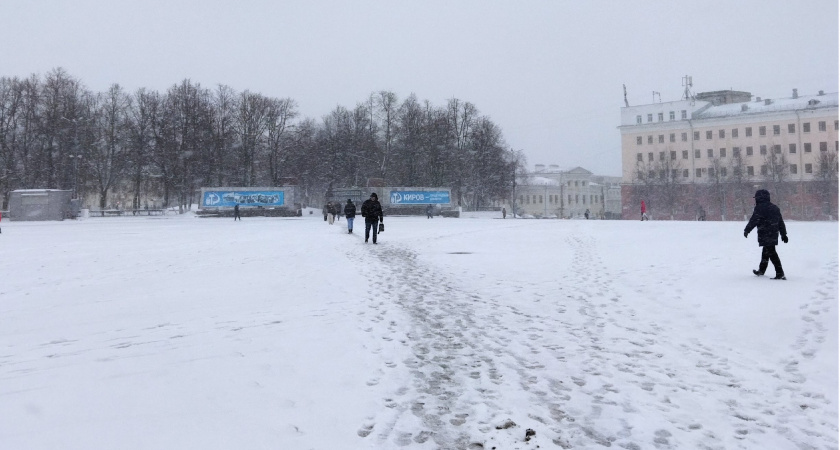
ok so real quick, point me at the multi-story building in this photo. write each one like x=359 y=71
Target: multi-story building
x=553 y=192
x=707 y=154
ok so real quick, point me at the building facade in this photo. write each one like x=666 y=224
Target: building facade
x=706 y=155
x=551 y=192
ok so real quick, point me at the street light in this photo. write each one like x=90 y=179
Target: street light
x=75 y=159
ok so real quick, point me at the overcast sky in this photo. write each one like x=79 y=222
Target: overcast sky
x=549 y=73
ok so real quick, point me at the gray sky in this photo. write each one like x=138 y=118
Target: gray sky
x=549 y=73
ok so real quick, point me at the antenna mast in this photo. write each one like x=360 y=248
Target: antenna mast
x=687 y=82
x=625 y=95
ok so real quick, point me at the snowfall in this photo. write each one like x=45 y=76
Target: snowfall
x=181 y=332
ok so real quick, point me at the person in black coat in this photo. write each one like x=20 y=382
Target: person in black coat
x=236 y=212
x=350 y=214
x=768 y=219
x=372 y=212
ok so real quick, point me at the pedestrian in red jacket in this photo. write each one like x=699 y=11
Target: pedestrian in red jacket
x=644 y=211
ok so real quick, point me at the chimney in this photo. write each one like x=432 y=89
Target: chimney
x=767 y=101
x=744 y=107
x=822 y=93
x=758 y=99
x=796 y=93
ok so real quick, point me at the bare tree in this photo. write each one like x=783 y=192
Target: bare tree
x=827 y=182
x=109 y=153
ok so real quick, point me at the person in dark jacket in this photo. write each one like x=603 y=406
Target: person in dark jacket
x=236 y=212
x=350 y=214
x=768 y=219
x=372 y=212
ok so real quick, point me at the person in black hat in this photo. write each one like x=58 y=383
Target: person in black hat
x=768 y=219
x=372 y=212
x=350 y=214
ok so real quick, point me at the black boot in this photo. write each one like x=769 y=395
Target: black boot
x=760 y=274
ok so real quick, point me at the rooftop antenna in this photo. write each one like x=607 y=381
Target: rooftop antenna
x=688 y=83
x=657 y=94
x=625 y=95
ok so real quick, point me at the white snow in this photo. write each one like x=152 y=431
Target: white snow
x=179 y=332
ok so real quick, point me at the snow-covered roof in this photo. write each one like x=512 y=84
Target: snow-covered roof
x=773 y=105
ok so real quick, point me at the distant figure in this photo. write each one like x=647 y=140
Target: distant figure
x=504 y=213
x=350 y=214
x=372 y=212
x=1 y=219
x=330 y=213
x=586 y=214
x=236 y=213
x=644 y=211
x=429 y=211
x=767 y=217
x=701 y=214
x=324 y=210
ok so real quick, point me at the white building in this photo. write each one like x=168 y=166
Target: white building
x=553 y=192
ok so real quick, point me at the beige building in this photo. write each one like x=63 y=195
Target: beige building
x=672 y=153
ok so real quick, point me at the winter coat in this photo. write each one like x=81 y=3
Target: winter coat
x=767 y=217
x=350 y=210
x=644 y=209
x=372 y=210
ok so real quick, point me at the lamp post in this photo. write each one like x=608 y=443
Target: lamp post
x=75 y=159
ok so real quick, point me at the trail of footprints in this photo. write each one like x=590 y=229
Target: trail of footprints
x=456 y=338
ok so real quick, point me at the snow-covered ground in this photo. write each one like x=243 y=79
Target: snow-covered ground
x=178 y=332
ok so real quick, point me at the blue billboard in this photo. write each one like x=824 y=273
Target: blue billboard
x=419 y=197
x=222 y=199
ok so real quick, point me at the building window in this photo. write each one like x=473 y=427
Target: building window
x=723 y=171
x=662 y=156
x=673 y=155
x=806 y=127
x=821 y=125
x=684 y=137
x=721 y=134
x=570 y=195
x=763 y=149
x=650 y=158
x=709 y=134
x=736 y=152
x=650 y=118
x=777 y=130
x=683 y=114
x=638 y=140
x=723 y=153
x=710 y=153
x=748 y=131
x=639 y=157
x=749 y=151
x=764 y=169
x=685 y=173
x=696 y=135
x=809 y=168
x=793 y=169
x=673 y=174
x=685 y=154
x=698 y=173
x=791 y=128
x=638 y=120
x=577 y=198
x=823 y=146
x=535 y=199
x=762 y=131
x=835 y=124
x=807 y=147
x=650 y=139
x=541 y=199
x=673 y=137
x=661 y=138
x=734 y=132
x=696 y=153
x=777 y=148
x=750 y=171
x=672 y=116
x=792 y=148
x=661 y=117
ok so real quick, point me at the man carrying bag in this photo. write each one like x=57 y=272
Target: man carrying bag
x=372 y=212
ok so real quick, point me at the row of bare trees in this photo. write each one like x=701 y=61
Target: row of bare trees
x=55 y=133
x=728 y=184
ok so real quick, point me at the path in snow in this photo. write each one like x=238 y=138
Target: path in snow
x=582 y=367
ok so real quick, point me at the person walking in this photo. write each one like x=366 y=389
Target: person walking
x=767 y=218
x=504 y=213
x=372 y=212
x=429 y=210
x=330 y=213
x=586 y=214
x=350 y=214
x=644 y=211
x=236 y=213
